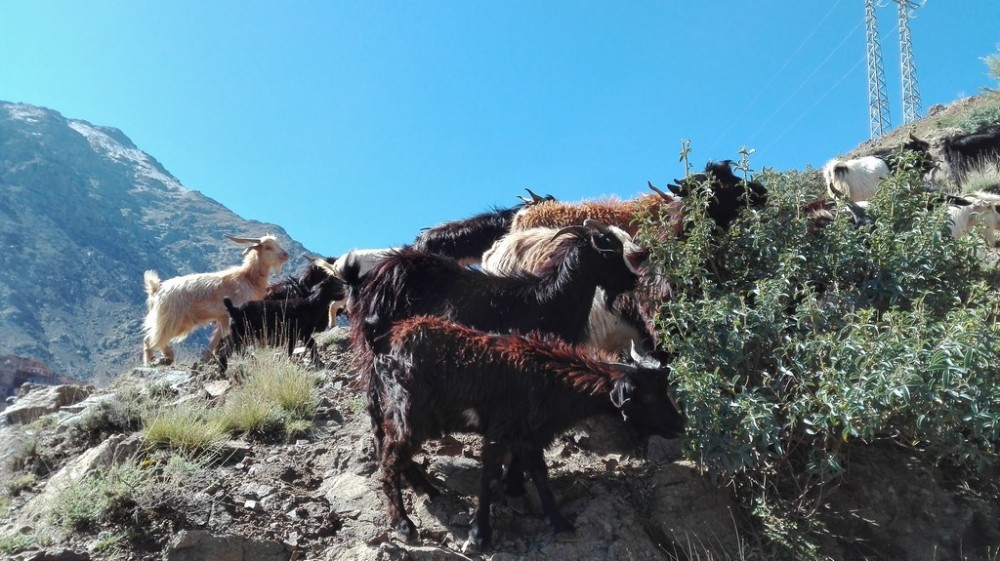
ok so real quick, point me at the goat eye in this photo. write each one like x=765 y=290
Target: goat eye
x=604 y=242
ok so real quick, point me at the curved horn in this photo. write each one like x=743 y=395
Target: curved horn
x=596 y=224
x=535 y=197
x=577 y=230
x=643 y=360
x=658 y=191
x=243 y=240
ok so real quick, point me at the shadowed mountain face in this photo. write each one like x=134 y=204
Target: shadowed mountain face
x=83 y=213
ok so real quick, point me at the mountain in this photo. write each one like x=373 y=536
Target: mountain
x=83 y=212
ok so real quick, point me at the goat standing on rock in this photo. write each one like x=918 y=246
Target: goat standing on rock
x=518 y=392
x=178 y=305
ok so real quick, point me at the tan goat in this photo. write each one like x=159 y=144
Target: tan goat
x=176 y=306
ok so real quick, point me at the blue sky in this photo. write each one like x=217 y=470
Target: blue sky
x=355 y=124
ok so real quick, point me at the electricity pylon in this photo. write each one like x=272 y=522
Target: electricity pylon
x=907 y=69
x=878 y=101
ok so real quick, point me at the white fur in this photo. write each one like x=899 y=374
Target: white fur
x=858 y=179
x=178 y=305
x=982 y=211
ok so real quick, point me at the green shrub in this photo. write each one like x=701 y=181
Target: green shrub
x=791 y=345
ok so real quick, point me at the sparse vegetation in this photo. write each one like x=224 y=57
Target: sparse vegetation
x=98 y=496
x=15 y=485
x=793 y=347
x=190 y=427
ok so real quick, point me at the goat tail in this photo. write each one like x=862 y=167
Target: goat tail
x=152 y=283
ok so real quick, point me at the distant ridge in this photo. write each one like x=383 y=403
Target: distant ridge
x=83 y=212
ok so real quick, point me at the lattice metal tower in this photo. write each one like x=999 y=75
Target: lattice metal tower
x=907 y=70
x=878 y=100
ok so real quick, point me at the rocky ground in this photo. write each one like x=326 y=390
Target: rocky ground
x=317 y=498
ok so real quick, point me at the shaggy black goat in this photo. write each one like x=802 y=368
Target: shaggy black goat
x=466 y=240
x=519 y=392
x=283 y=321
x=410 y=282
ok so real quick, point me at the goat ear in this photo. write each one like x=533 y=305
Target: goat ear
x=622 y=392
x=644 y=361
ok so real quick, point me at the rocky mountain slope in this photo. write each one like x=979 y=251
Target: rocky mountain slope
x=83 y=212
x=83 y=483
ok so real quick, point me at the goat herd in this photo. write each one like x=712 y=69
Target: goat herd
x=509 y=324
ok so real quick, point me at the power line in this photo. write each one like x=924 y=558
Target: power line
x=774 y=77
x=804 y=82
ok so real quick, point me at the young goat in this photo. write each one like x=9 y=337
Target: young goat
x=410 y=282
x=518 y=392
x=466 y=240
x=178 y=305
x=282 y=322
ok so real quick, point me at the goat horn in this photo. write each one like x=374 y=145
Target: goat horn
x=243 y=240
x=658 y=191
x=578 y=230
x=596 y=224
x=534 y=197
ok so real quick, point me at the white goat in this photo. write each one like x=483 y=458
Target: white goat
x=528 y=251
x=857 y=179
x=983 y=210
x=178 y=305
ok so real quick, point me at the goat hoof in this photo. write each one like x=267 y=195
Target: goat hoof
x=406 y=531
x=478 y=540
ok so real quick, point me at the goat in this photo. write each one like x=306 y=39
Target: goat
x=858 y=179
x=410 y=282
x=729 y=194
x=364 y=259
x=466 y=240
x=963 y=153
x=276 y=322
x=518 y=392
x=178 y=305
x=531 y=251
x=979 y=208
x=613 y=212
x=299 y=287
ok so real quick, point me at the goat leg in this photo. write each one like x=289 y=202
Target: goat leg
x=419 y=480
x=540 y=475
x=481 y=533
x=396 y=459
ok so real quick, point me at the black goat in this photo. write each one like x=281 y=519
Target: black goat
x=466 y=240
x=410 y=282
x=519 y=392
x=729 y=194
x=964 y=153
x=282 y=321
x=299 y=287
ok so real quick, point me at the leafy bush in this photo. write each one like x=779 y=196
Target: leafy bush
x=792 y=344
